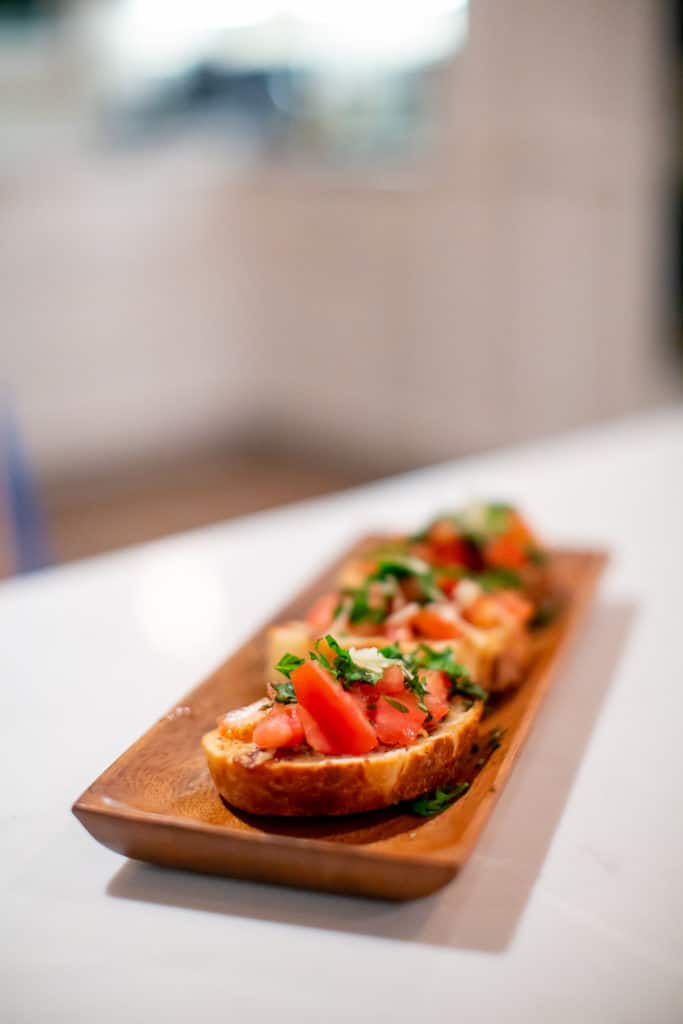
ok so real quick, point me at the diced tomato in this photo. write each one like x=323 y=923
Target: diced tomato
x=321 y=615
x=521 y=529
x=438 y=684
x=516 y=605
x=447 y=584
x=392 y=681
x=506 y=552
x=447 y=546
x=398 y=634
x=361 y=698
x=455 y=553
x=484 y=612
x=429 y=623
x=315 y=737
x=280 y=728
x=510 y=550
x=438 y=709
x=337 y=714
x=438 y=691
x=395 y=726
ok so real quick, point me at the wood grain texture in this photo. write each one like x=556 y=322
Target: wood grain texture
x=157 y=802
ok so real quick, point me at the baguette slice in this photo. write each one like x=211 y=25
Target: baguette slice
x=261 y=782
x=495 y=658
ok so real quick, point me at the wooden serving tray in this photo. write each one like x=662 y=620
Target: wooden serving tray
x=157 y=802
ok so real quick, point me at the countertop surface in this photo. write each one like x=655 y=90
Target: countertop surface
x=570 y=908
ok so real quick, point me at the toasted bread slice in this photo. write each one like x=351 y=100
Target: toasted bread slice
x=303 y=784
x=495 y=658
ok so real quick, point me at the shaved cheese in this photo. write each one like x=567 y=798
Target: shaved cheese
x=371 y=659
x=467 y=592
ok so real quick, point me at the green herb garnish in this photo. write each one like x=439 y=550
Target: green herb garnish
x=285 y=693
x=287 y=664
x=497 y=579
x=444 y=661
x=361 y=610
x=497 y=517
x=343 y=666
x=400 y=567
x=431 y=804
x=393 y=651
x=396 y=704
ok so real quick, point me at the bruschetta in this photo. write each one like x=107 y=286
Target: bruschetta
x=347 y=730
x=472 y=579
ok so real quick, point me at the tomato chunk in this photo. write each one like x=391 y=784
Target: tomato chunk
x=438 y=691
x=510 y=550
x=457 y=552
x=338 y=715
x=438 y=684
x=315 y=737
x=280 y=728
x=506 y=552
x=398 y=725
x=392 y=681
x=447 y=584
x=429 y=623
x=321 y=615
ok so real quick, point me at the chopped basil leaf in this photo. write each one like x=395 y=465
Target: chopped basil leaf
x=400 y=568
x=287 y=664
x=396 y=704
x=345 y=668
x=321 y=658
x=361 y=610
x=466 y=688
x=444 y=661
x=440 y=800
x=397 y=566
x=498 y=579
x=393 y=651
x=440 y=661
x=285 y=693
x=497 y=517
x=481 y=523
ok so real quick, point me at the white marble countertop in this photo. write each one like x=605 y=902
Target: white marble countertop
x=572 y=905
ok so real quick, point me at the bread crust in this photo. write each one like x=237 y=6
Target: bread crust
x=307 y=784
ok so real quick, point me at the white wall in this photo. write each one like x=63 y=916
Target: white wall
x=513 y=287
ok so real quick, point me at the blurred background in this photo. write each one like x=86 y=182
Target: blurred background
x=252 y=251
